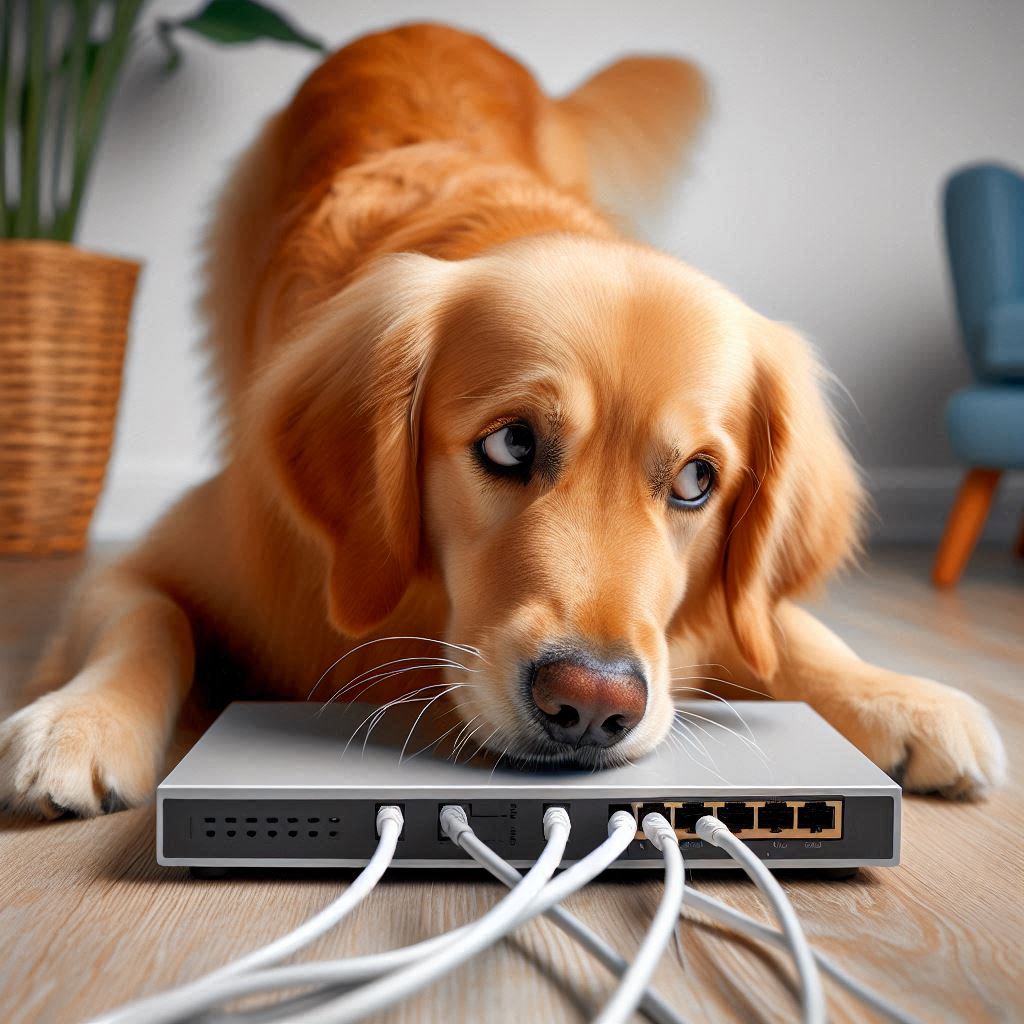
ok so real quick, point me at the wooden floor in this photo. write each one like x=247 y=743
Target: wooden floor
x=88 y=919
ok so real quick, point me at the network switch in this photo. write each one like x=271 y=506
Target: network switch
x=287 y=785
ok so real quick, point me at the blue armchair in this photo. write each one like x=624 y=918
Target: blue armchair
x=984 y=208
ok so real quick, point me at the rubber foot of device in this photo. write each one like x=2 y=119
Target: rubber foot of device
x=836 y=873
x=203 y=872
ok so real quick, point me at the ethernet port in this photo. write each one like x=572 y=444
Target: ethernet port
x=775 y=816
x=816 y=816
x=440 y=807
x=628 y=808
x=662 y=809
x=688 y=815
x=376 y=811
x=738 y=817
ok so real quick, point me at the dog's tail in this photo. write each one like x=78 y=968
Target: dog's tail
x=636 y=119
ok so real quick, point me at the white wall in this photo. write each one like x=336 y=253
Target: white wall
x=813 y=193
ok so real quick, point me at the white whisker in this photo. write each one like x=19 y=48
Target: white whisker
x=480 y=746
x=675 y=740
x=699 y=664
x=494 y=767
x=756 y=747
x=410 y=698
x=694 y=738
x=462 y=738
x=727 y=703
x=465 y=743
x=371 y=680
x=714 y=764
x=724 y=682
x=423 y=711
x=434 y=743
x=465 y=648
x=385 y=707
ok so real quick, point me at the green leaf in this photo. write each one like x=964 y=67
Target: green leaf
x=92 y=56
x=231 y=22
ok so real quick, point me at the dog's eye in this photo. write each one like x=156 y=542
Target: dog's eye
x=508 y=448
x=693 y=483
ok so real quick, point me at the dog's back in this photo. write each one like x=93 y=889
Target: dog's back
x=424 y=138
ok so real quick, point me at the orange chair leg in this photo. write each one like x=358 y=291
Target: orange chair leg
x=968 y=515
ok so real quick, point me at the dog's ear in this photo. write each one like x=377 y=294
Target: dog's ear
x=796 y=516
x=337 y=422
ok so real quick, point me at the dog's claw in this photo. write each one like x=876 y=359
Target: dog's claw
x=53 y=809
x=898 y=772
x=112 y=802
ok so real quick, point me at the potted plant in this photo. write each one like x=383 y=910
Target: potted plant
x=64 y=311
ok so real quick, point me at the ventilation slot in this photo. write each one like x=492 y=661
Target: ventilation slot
x=210 y=824
x=292 y=829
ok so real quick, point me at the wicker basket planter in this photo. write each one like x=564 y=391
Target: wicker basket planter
x=63 y=326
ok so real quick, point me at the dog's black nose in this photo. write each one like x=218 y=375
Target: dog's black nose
x=584 y=702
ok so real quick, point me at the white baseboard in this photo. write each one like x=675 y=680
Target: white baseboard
x=910 y=504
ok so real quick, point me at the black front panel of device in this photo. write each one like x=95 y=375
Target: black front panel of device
x=335 y=829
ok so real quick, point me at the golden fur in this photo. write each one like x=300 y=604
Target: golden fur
x=410 y=255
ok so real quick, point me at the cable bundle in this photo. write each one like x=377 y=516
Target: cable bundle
x=355 y=988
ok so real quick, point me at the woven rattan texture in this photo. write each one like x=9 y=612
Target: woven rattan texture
x=63 y=326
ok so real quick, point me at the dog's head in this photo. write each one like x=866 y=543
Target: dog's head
x=590 y=447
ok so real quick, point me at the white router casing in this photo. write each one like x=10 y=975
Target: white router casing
x=279 y=785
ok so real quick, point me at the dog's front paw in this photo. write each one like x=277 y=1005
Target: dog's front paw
x=70 y=753
x=934 y=738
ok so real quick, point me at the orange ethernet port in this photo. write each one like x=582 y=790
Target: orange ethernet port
x=687 y=815
x=816 y=816
x=775 y=816
x=739 y=817
x=654 y=808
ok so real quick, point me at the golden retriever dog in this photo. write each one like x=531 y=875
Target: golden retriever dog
x=481 y=445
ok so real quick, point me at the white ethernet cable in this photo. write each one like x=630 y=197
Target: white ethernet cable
x=631 y=989
x=494 y=925
x=740 y=922
x=652 y=1005
x=812 y=996
x=389 y=825
x=621 y=829
x=229 y=983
